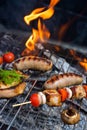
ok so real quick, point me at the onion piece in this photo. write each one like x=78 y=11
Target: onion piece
x=69 y=91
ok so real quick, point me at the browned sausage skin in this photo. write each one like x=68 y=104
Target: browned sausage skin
x=33 y=62
x=63 y=80
x=12 y=92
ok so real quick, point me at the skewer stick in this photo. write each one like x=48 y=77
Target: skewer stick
x=20 y=104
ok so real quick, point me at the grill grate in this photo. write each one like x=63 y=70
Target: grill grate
x=43 y=117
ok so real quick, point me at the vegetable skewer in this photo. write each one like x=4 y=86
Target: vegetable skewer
x=56 y=97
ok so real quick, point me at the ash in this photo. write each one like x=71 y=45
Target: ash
x=44 y=117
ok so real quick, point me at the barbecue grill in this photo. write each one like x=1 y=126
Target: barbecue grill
x=43 y=117
x=66 y=57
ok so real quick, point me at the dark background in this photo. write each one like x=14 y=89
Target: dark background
x=68 y=24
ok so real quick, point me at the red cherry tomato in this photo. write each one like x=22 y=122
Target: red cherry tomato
x=8 y=57
x=35 y=100
x=1 y=60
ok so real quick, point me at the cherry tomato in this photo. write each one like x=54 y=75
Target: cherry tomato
x=1 y=60
x=8 y=57
x=35 y=100
x=63 y=93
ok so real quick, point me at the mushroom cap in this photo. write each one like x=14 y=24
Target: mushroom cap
x=70 y=116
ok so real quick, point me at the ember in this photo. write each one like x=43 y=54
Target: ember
x=83 y=63
x=81 y=60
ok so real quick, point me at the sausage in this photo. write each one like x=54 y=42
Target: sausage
x=63 y=80
x=12 y=92
x=33 y=62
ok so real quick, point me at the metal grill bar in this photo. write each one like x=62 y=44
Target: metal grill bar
x=24 y=120
x=4 y=106
x=21 y=106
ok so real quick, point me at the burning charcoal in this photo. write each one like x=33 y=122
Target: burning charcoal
x=84 y=78
x=54 y=59
x=43 y=117
x=62 y=65
x=8 y=66
x=8 y=43
x=68 y=127
x=45 y=108
x=47 y=53
x=40 y=46
x=39 y=78
x=45 y=128
x=57 y=127
x=84 y=103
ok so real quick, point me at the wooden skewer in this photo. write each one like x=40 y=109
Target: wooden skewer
x=20 y=104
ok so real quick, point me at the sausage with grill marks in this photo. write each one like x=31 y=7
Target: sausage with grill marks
x=63 y=80
x=33 y=62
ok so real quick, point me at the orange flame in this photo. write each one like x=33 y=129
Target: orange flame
x=37 y=35
x=84 y=63
x=42 y=33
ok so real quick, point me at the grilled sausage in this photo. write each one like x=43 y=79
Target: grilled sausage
x=32 y=62
x=12 y=92
x=63 y=80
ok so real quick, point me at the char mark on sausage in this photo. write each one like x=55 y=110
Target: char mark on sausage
x=33 y=62
x=63 y=80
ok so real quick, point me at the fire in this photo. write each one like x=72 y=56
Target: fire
x=84 y=63
x=41 y=34
x=37 y=35
x=75 y=56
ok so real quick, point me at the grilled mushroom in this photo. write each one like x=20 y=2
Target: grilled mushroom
x=70 y=116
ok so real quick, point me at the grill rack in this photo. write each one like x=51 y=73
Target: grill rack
x=44 y=117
